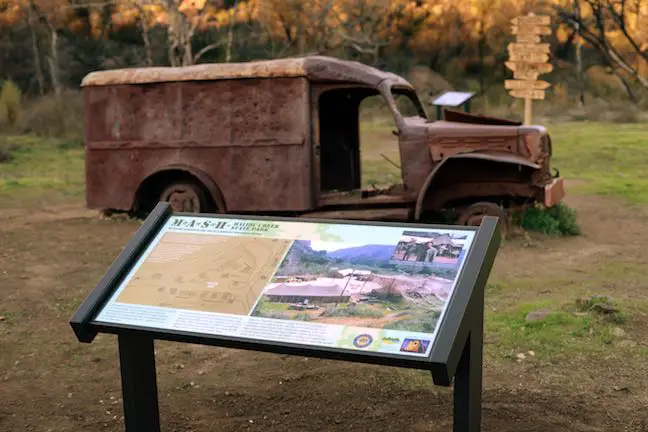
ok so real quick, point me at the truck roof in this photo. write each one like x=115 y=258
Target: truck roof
x=315 y=68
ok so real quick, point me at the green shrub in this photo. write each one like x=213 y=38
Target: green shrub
x=559 y=220
x=10 y=103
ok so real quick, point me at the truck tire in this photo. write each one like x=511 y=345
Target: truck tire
x=186 y=197
x=473 y=215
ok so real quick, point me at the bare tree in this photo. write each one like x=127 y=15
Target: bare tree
x=300 y=27
x=52 y=19
x=184 y=21
x=606 y=14
x=54 y=16
x=143 y=20
x=363 y=26
x=32 y=20
x=579 y=50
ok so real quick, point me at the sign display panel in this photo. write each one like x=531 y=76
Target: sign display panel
x=453 y=99
x=381 y=289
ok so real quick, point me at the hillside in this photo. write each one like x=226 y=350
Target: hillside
x=364 y=253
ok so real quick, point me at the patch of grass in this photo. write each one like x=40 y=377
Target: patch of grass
x=376 y=143
x=362 y=311
x=559 y=220
x=566 y=332
x=422 y=322
x=41 y=167
x=611 y=158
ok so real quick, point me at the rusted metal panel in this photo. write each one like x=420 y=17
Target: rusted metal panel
x=388 y=214
x=415 y=160
x=133 y=113
x=554 y=192
x=463 y=117
x=355 y=199
x=502 y=189
x=442 y=147
x=498 y=157
x=256 y=126
x=206 y=118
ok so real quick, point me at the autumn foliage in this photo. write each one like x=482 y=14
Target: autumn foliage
x=49 y=45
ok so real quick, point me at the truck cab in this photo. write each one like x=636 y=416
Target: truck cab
x=283 y=137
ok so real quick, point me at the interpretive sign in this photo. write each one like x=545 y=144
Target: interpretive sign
x=528 y=59
x=394 y=294
x=452 y=99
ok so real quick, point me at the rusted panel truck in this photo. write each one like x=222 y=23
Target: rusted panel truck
x=281 y=137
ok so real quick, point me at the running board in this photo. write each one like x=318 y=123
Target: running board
x=379 y=214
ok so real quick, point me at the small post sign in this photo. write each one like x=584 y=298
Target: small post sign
x=528 y=58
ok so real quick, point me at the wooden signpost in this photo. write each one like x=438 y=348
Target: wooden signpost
x=528 y=58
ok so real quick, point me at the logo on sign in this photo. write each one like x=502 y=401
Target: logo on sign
x=362 y=341
x=415 y=345
x=390 y=340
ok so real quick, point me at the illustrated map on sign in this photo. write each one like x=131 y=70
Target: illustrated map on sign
x=208 y=273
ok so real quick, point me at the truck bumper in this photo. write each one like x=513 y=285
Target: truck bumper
x=554 y=192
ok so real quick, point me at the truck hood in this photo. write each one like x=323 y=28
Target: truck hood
x=462 y=117
x=501 y=141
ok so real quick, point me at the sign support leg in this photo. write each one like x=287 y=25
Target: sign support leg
x=527 y=111
x=469 y=376
x=139 y=385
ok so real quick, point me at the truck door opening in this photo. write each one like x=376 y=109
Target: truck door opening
x=339 y=138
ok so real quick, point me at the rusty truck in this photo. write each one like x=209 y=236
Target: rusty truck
x=281 y=137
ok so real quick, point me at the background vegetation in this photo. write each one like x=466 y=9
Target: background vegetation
x=599 y=48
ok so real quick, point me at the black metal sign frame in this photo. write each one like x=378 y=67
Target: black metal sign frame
x=457 y=350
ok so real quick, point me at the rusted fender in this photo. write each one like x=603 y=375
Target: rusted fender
x=491 y=156
x=202 y=177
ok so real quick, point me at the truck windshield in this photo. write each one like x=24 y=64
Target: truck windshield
x=408 y=103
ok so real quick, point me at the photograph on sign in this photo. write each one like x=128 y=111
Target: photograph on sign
x=327 y=285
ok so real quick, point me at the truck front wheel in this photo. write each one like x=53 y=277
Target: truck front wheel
x=473 y=215
x=185 y=197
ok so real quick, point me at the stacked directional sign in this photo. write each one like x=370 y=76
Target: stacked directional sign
x=528 y=58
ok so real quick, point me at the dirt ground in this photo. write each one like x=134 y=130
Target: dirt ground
x=50 y=258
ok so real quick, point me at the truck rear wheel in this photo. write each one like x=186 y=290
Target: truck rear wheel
x=185 y=197
x=473 y=215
